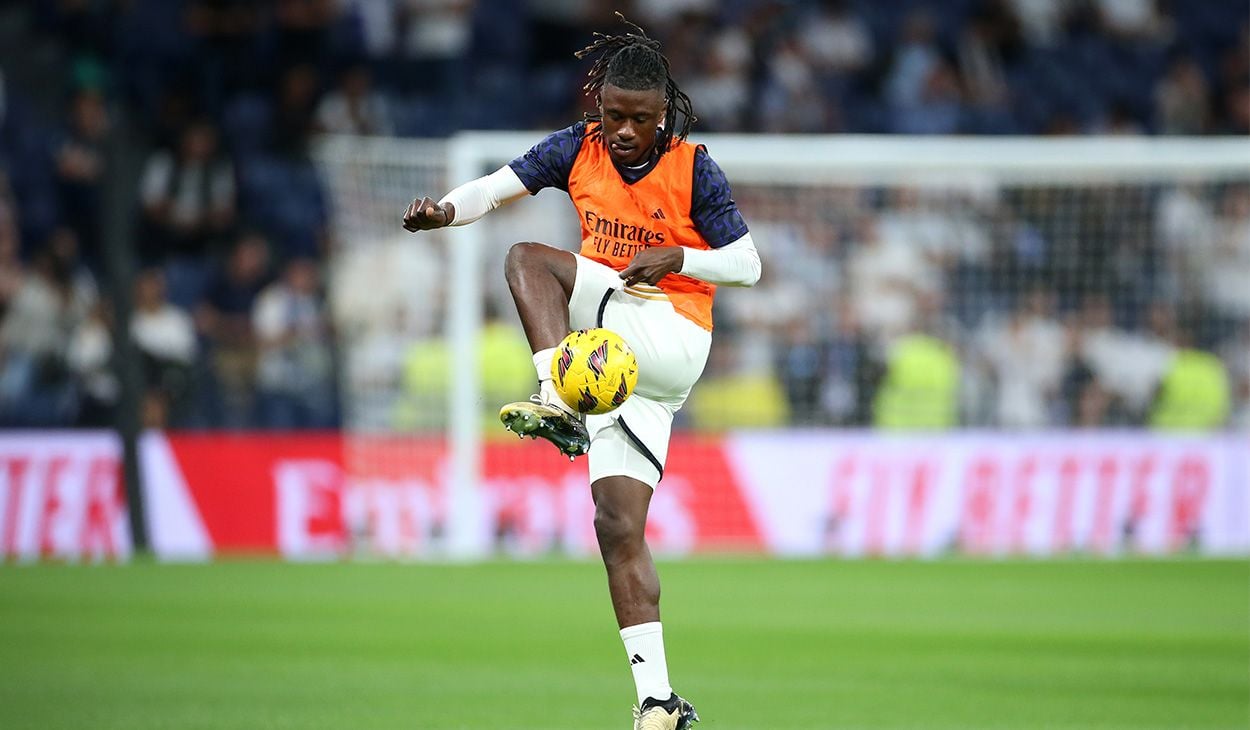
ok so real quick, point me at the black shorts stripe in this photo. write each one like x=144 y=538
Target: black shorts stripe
x=603 y=304
x=642 y=447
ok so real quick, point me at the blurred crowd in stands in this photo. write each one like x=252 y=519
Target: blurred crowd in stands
x=1014 y=306
x=232 y=227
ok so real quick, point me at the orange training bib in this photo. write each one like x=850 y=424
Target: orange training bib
x=619 y=220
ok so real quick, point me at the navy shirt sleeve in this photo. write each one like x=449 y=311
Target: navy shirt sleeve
x=549 y=163
x=712 y=206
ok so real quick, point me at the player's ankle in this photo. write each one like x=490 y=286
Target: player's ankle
x=542 y=363
x=644 y=645
x=547 y=392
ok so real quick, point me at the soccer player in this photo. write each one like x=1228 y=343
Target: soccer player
x=659 y=233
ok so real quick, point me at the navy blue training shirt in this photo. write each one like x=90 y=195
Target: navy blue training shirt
x=549 y=163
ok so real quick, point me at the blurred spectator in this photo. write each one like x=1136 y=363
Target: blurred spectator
x=12 y=272
x=1235 y=86
x=295 y=373
x=35 y=384
x=1027 y=356
x=296 y=95
x=1182 y=101
x=801 y=366
x=888 y=278
x=1134 y=20
x=1042 y=21
x=165 y=338
x=1090 y=403
x=188 y=197
x=1227 y=279
x=940 y=224
x=1236 y=116
x=851 y=374
x=760 y=318
x=377 y=21
x=1127 y=366
x=434 y=38
x=1234 y=352
x=80 y=169
x=90 y=358
x=837 y=40
x=914 y=61
x=989 y=41
x=1194 y=394
x=792 y=101
x=373 y=373
x=720 y=88
x=1186 y=228
x=224 y=320
x=938 y=109
x=920 y=387
x=353 y=107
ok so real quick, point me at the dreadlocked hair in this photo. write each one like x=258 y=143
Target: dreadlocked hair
x=632 y=60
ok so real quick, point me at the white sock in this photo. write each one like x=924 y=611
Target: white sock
x=542 y=363
x=644 y=645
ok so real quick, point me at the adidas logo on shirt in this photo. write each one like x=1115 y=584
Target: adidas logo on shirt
x=658 y=214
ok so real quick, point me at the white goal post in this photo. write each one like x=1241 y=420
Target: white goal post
x=801 y=188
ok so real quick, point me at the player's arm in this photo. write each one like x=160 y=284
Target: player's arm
x=466 y=203
x=734 y=264
x=547 y=164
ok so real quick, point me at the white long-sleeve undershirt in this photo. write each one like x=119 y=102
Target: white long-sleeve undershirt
x=736 y=264
x=476 y=198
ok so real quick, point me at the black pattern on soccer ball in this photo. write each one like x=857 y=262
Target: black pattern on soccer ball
x=598 y=359
x=622 y=392
x=563 y=363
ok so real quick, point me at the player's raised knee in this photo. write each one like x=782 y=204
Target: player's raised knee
x=527 y=260
x=521 y=256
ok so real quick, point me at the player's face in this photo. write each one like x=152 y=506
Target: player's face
x=630 y=121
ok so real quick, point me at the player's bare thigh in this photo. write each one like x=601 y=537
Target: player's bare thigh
x=530 y=257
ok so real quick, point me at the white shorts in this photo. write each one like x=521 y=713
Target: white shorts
x=632 y=440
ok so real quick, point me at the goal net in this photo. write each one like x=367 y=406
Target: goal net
x=909 y=285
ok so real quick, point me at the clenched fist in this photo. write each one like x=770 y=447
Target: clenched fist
x=426 y=214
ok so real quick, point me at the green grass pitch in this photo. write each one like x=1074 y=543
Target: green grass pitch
x=757 y=645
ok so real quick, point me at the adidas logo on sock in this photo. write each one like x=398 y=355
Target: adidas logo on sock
x=636 y=659
x=658 y=214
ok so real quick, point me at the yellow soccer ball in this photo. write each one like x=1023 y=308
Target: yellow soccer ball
x=594 y=370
